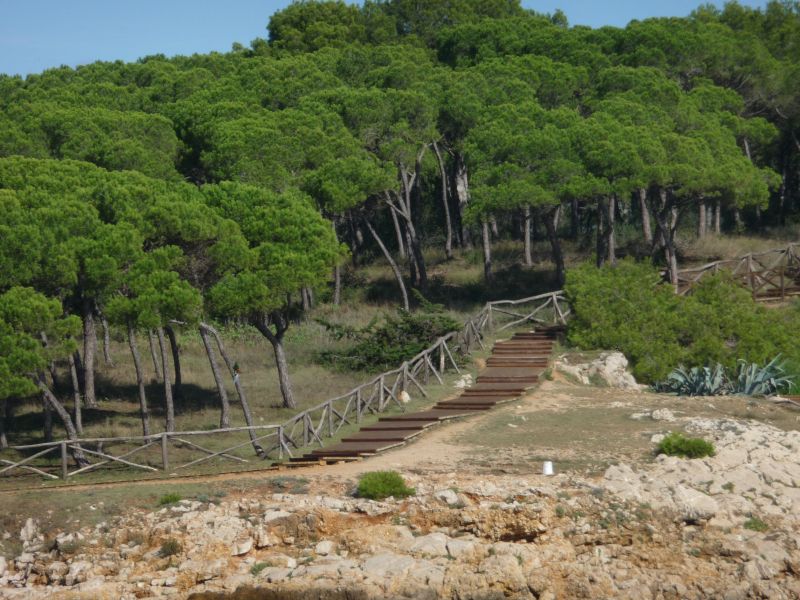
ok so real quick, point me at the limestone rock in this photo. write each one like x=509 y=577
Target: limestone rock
x=387 y=564
x=693 y=505
x=663 y=414
x=447 y=495
x=610 y=367
x=29 y=531
x=324 y=547
x=242 y=546
x=433 y=544
x=3 y=566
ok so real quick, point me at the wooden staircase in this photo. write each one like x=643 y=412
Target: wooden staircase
x=513 y=368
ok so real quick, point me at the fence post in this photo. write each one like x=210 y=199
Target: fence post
x=306 y=426
x=441 y=356
x=165 y=450
x=64 y=464
x=381 y=395
x=489 y=319
x=330 y=419
x=280 y=442
x=358 y=405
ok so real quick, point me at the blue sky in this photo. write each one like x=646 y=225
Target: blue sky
x=38 y=34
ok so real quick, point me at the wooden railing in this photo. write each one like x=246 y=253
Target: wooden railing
x=309 y=427
x=771 y=275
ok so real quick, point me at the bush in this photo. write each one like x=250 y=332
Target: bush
x=171 y=498
x=625 y=308
x=170 y=547
x=676 y=444
x=378 y=485
x=398 y=338
x=756 y=524
x=750 y=380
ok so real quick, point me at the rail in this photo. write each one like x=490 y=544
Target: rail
x=307 y=428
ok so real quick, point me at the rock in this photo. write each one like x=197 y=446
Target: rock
x=242 y=546
x=57 y=571
x=77 y=572
x=204 y=570
x=447 y=495
x=405 y=398
x=387 y=564
x=263 y=539
x=610 y=367
x=29 y=531
x=3 y=566
x=433 y=544
x=324 y=548
x=663 y=414
x=274 y=515
x=275 y=574
x=693 y=505
x=460 y=548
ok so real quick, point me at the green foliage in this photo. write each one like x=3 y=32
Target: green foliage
x=697 y=381
x=386 y=345
x=754 y=380
x=377 y=485
x=258 y=567
x=756 y=524
x=170 y=547
x=627 y=309
x=171 y=498
x=675 y=444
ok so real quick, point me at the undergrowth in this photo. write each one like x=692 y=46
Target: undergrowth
x=676 y=444
x=378 y=485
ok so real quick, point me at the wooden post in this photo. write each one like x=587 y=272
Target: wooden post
x=165 y=450
x=381 y=395
x=358 y=405
x=306 y=425
x=280 y=442
x=405 y=376
x=330 y=419
x=64 y=464
x=441 y=357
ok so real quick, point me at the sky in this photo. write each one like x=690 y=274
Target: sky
x=39 y=34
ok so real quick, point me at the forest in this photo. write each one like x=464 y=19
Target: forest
x=241 y=189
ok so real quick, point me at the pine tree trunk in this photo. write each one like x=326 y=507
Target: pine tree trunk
x=495 y=228
x=574 y=219
x=448 y=244
x=304 y=299
x=602 y=210
x=106 y=342
x=398 y=231
x=72 y=433
x=395 y=269
x=337 y=272
x=526 y=234
x=3 y=423
x=461 y=177
x=611 y=240
x=89 y=347
x=176 y=361
x=718 y=216
x=276 y=339
x=47 y=414
x=76 y=394
x=168 y=402
x=551 y=226
x=647 y=231
x=701 y=221
x=487 y=252
x=154 y=355
x=225 y=414
x=737 y=219
x=237 y=383
x=137 y=365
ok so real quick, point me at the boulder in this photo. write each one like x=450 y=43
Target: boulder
x=325 y=547
x=692 y=505
x=433 y=544
x=386 y=565
x=29 y=531
x=610 y=367
x=242 y=546
x=447 y=495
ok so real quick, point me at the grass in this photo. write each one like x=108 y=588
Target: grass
x=168 y=499
x=258 y=567
x=170 y=547
x=377 y=485
x=756 y=524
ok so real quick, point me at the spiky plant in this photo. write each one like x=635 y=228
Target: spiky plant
x=755 y=380
x=697 y=381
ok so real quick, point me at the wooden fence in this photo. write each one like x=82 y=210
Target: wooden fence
x=769 y=276
x=310 y=427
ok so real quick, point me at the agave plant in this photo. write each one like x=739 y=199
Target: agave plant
x=697 y=381
x=754 y=380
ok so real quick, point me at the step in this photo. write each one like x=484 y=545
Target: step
x=474 y=407
x=398 y=426
x=386 y=435
x=506 y=379
x=427 y=415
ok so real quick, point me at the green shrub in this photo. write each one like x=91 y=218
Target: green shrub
x=170 y=547
x=625 y=308
x=750 y=380
x=258 y=567
x=386 y=345
x=171 y=498
x=378 y=485
x=756 y=524
x=675 y=444
x=754 y=380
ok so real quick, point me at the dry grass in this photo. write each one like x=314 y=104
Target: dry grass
x=725 y=247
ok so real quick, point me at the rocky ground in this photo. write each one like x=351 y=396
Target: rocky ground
x=720 y=527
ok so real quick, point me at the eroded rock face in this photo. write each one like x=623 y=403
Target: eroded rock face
x=674 y=528
x=610 y=368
